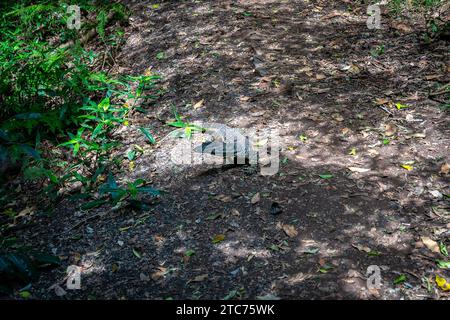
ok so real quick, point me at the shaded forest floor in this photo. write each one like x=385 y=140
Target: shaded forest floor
x=347 y=202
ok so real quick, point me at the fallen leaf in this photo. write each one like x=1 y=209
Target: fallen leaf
x=430 y=244
x=160 y=273
x=311 y=250
x=419 y=135
x=400 y=279
x=137 y=253
x=390 y=130
x=442 y=283
x=337 y=117
x=400 y=106
x=218 y=238
x=320 y=76
x=381 y=101
x=445 y=168
x=360 y=170
x=223 y=198
x=290 y=230
x=199 y=104
x=361 y=248
x=200 y=278
x=255 y=198
x=407 y=167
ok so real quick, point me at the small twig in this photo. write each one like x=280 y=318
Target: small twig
x=385 y=110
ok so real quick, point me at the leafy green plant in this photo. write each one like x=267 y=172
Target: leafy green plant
x=189 y=128
x=112 y=192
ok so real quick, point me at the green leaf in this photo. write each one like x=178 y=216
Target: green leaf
x=326 y=176
x=189 y=253
x=311 y=250
x=25 y=294
x=401 y=106
x=326 y=268
x=149 y=190
x=400 y=279
x=137 y=253
x=231 y=295
x=44 y=260
x=218 y=238
x=148 y=135
x=93 y=204
x=104 y=104
x=131 y=155
x=97 y=130
x=443 y=249
x=443 y=264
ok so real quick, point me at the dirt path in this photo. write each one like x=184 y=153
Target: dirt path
x=317 y=79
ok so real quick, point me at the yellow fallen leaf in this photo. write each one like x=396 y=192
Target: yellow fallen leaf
x=352 y=152
x=199 y=104
x=126 y=123
x=131 y=165
x=407 y=167
x=148 y=72
x=218 y=238
x=442 y=283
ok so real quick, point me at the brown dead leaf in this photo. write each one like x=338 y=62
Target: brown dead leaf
x=223 y=198
x=200 y=278
x=255 y=198
x=445 y=168
x=345 y=131
x=159 y=274
x=381 y=101
x=433 y=76
x=390 y=130
x=235 y=212
x=337 y=117
x=199 y=104
x=361 y=248
x=290 y=230
x=430 y=244
x=402 y=27
x=320 y=76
